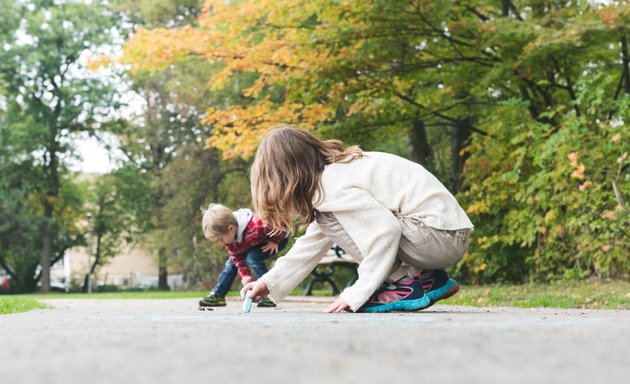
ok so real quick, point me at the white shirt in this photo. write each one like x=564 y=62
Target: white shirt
x=366 y=196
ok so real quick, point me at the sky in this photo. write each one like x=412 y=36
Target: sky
x=92 y=155
x=94 y=158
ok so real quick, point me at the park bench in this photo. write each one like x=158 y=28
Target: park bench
x=335 y=258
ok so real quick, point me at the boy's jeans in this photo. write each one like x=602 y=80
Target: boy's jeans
x=255 y=260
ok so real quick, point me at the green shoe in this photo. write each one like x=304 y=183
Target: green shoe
x=266 y=303
x=212 y=300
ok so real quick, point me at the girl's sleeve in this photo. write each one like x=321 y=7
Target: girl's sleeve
x=376 y=232
x=290 y=269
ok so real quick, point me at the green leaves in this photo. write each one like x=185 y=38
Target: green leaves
x=527 y=98
x=48 y=98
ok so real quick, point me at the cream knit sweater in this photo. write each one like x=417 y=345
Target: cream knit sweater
x=366 y=196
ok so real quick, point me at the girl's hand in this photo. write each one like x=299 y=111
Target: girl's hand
x=338 y=306
x=270 y=248
x=259 y=290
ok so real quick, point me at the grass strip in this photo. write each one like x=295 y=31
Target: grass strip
x=585 y=295
x=15 y=304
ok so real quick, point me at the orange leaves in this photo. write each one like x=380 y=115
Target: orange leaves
x=269 y=53
x=155 y=50
x=238 y=130
x=578 y=170
x=609 y=17
x=578 y=167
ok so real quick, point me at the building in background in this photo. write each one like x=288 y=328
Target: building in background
x=132 y=268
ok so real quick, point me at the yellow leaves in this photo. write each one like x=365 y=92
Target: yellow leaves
x=353 y=109
x=477 y=208
x=551 y=216
x=314 y=113
x=268 y=39
x=485 y=242
x=238 y=130
x=399 y=85
x=157 y=49
x=96 y=62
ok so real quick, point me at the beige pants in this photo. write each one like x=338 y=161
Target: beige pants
x=420 y=247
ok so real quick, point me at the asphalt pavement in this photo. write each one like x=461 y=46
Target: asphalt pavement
x=87 y=341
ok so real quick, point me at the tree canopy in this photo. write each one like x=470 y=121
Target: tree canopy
x=518 y=106
x=504 y=100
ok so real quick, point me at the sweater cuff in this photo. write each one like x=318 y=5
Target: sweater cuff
x=274 y=292
x=353 y=302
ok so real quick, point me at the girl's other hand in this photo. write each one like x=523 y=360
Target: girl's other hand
x=338 y=306
x=259 y=290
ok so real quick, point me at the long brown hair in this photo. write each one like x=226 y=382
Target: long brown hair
x=286 y=174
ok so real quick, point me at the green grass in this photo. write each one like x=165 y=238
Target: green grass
x=15 y=304
x=121 y=295
x=605 y=295
x=574 y=294
x=608 y=295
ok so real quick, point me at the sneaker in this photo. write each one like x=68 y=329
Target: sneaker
x=266 y=303
x=212 y=300
x=437 y=284
x=404 y=295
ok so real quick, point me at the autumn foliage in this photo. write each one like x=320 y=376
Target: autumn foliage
x=520 y=106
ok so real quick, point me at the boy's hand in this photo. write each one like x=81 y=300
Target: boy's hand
x=338 y=306
x=246 y=279
x=259 y=290
x=270 y=248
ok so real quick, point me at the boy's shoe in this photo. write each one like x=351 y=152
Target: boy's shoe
x=437 y=284
x=266 y=303
x=406 y=294
x=212 y=300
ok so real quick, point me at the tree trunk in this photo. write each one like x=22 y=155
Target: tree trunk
x=91 y=268
x=625 y=62
x=459 y=136
x=162 y=271
x=52 y=180
x=47 y=249
x=420 y=148
x=505 y=8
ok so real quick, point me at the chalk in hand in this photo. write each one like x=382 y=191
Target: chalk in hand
x=247 y=302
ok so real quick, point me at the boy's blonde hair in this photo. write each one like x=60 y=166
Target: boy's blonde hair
x=286 y=174
x=216 y=220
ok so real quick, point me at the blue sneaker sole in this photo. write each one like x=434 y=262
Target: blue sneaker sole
x=405 y=305
x=447 y=290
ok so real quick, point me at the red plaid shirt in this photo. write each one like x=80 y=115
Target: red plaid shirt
x=256 y=233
